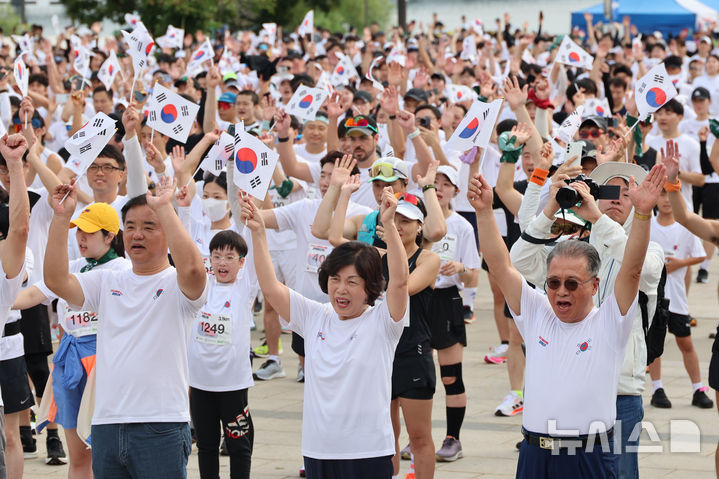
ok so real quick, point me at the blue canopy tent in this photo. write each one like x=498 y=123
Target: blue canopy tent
x=665 y=16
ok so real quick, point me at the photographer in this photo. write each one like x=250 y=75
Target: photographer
x=611 y=221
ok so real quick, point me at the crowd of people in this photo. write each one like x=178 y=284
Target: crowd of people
x=149 y=261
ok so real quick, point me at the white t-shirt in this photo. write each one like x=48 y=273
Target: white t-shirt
x=348 y=385
x=572 y=368
x=691 y=127
x=311 y=251
x=9 y=289
x=142 y=373
x=219 y=351
x=364 y=196
x=688 y=158
x=457 y=245
x=301 y=151
x=677 y=242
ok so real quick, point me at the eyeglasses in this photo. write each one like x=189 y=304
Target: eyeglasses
x=223 y=105
x=386 y=170
x=408 y=198
x=570 y=284
x=105 y=168
x=228 y=258
x=587 y=133
x=359 y=121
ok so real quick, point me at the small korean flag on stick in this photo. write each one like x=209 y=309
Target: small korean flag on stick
x=307 y=26
x=109 y=69
x=305 y=102
x=132 y=20
x=175 y=36
x=570 y=125
x=88 y=142
x=476 y=127
x=217 y=157
x=203 y=54
x=597 y=107
x=653 y=90
x=344 y=71
x=140 y=44
x=171 y=114
x=21 y=75
x=254 y=163
x=458 y=93
x=573 y=55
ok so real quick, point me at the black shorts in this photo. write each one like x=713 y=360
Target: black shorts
x=16 y=394
x=710 y=201
x=35 y=328
x=714 y=364
x=298 y=344
x=38 y=370
x=447 y=318
x=375 y=467
x=679 y=325
x=413 y=376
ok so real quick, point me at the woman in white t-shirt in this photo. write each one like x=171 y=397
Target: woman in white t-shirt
x=74 y=360
x=219 y=360
x=349 y=346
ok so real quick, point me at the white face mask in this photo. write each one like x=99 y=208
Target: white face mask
x=214 y=209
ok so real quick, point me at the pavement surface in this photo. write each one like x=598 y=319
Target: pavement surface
x=489 y=441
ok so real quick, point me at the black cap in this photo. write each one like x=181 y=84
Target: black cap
x=362 y=96
x=417 y=94
x=701 y=93
x=597 y=121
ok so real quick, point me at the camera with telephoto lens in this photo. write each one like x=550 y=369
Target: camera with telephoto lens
x=568 y=197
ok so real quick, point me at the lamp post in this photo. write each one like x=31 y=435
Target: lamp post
x=402 y=14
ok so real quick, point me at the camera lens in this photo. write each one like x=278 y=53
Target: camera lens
x=567 y=197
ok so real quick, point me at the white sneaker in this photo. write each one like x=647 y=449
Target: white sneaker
x=270 y=369
x=498 y=355
x=511 y=406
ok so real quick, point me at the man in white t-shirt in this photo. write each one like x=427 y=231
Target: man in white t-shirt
x=140 y=426
x=574 y=350
x=314 y=133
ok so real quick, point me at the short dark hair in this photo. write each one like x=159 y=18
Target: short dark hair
x=505 y=125
x=250 y=93
x=228 y=239
x=140 y=200
x=674 y=106
x=333 y=156
x=111 y=151
x=366 y=261
x=426 y=106
x=617 y=82
x=40 y=78
x=102 y=89
x=673 y=61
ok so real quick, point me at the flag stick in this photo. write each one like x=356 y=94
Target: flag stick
x=630 y=129
x=26 y=120
x=132 y=88
x=152 y=135
x=193 y=175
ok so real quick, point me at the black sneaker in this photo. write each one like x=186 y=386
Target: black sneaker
x=701 y=400
x=257 y=307
x=660 y=399
x=702 y=275
x=223 y=448
x=29 y=445
x=468 y=314
x=55 y=452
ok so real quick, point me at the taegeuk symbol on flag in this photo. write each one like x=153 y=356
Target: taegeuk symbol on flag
x=476 y=127
x=305 y=102
x=572 y=54
x=307 y=26
x=217 y=157
x=140 y=44
x=21 y=75
x=109 y=69
x=171 y=114
x=254 y=163
x=653 y=90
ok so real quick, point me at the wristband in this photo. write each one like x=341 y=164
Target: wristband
x=392 y=117
x=483 y=98
x=414 y=134
x=539 y=176
x=671 y=187
x=285 y=188
x=428 y=187
x=642 y=217
x=283 y=140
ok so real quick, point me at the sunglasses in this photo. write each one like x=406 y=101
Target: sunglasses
x=17 y=127
x=383 y=169
x=359 y=122
x=593 y=133
x=569 y=284
x=408 y=198
x=564 y=228
x=223 y=105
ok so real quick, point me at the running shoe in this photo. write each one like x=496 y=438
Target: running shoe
x=300 y=373
x=498 y=355
x=468 y=315
x=55 y=452
x=451 y=450
x=29 y=445
x=660 y=399
x=270 y=369
x=701 y=400
x=405 y=453
x=263 y=351
x=702 y=275
x=511 y=406
x=410 y=475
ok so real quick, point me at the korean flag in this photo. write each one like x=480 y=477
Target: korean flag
x=653 y=90
x=573 y=55
x=109 y=69
x=217 y=157
x=476 y=127
x=88 y=142
x=254 y=163
x=140 y=44
x=171 y=114
x=344 y=71
x=570 y=125
x=307 y=26
x=203 y=54
x=305 y=102
x=21 y=75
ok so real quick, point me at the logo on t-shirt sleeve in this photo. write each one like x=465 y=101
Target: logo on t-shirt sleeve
x=543 y=342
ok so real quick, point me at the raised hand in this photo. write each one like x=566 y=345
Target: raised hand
x=26 y=110
x=479 y=194
x=153 y=157
x=644 y=196
x=66 y=207
x=12 y=148
x=269 y=107
x=342 y=170
x=334 y=107
x=406 y=121
x=388 y=100
x=183 y=197
x=429 y=176
x=670 y=155
x=250 y=216
x=351 y=185
x=522 y=132
x=130 y=120
x=213 y=78
x=515 y=96
x=177 y=157
x=569 y=168
x=388 y=206
x=165 y=191
x=282 y=123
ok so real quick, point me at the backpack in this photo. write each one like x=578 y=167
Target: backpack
x=655 y=334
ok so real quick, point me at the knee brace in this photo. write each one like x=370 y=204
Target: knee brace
x=452 y=371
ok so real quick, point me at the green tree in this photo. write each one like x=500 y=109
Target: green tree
x=9 y=19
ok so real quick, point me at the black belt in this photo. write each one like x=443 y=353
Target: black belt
x=553 y=443
x=11 y=329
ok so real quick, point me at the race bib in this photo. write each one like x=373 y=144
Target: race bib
x=316 y=254
x=277 y=200
x=80 y=323
x=214 y=329
x=446 y=248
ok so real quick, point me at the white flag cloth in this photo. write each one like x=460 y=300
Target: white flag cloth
x=307 y=26
x=376 y=84
x=271 y=29
x=132 y=20
x=203 y=54
x=21 y=75
x=55 y=24
x=476 y=127
x=25 y=42
x=108 y=70
x=88 y=141
x=597 y=107
x=306 y=101
x=459 y=93
x=81 y=64
x=469 y=49
x=323 y=82
x=344 y=71
x=653 y=90
x=397 y=56
x=217 y=157
x=572 y=54
x=226 y=63
x=570 y=125
x=140 y=44
x=478 y=27
x=254 y=163
x=175 y=36
x=76 y=44
x=171 y=114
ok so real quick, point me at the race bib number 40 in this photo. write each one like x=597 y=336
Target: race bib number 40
x=80 y=323
x=214 y=329
x=316 y=254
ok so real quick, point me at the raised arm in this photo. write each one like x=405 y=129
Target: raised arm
x=398 y=285
x=644 y=198
x=323 y=218
x=290 y=165
x=209 y=121
x=493 y=248
x=13 y=252
x=134 y=159
x=435 y=226
x=335 y=234
x=191 y=276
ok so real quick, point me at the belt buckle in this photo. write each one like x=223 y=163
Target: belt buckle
x=546 y=442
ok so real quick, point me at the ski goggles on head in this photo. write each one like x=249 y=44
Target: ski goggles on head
x=386 y=170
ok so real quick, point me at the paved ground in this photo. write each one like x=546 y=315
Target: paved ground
x=489 y=441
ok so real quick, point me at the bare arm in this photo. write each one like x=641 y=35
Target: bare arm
x=13 y=252
x=290 y=165
x=398 y=285
x=435 y=226
x=209 y=121
x=28 y=298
